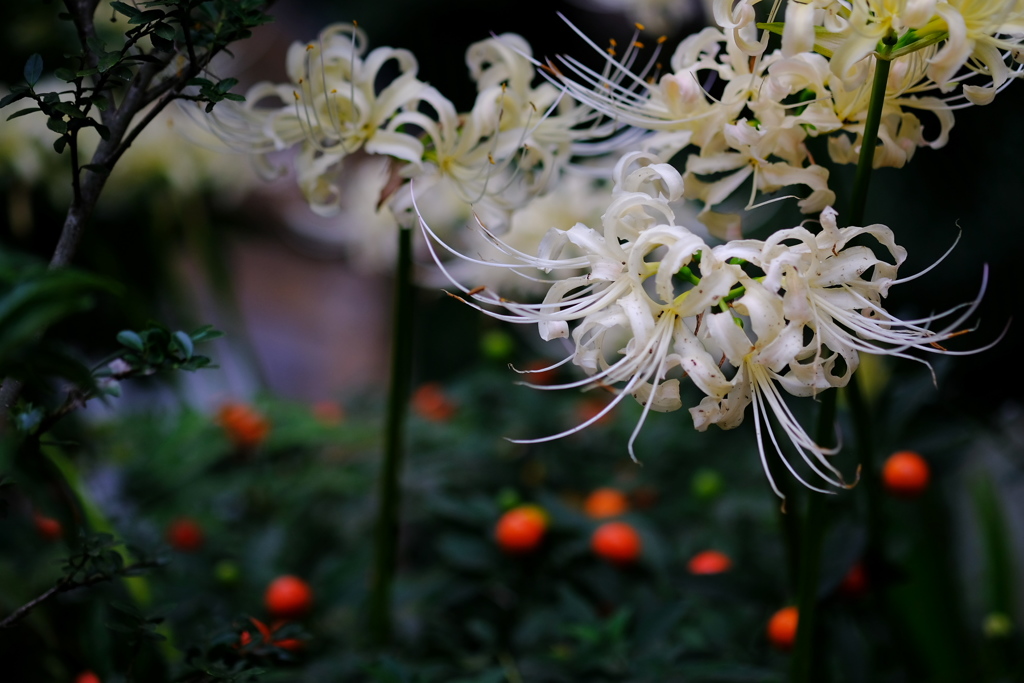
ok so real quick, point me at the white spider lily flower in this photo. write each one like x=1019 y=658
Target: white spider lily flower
x=825 y=289
x=743 y=150
x=981 y=34
x=626 y=290
x=761 y=365
x=513 y=144
x=330 y=108
x=642 y=313
x=870 y=21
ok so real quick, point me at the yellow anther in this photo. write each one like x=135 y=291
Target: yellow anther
x=490 y=158
x=637 y=43
x=355 y=23
x=639 y=26
x=310 y=47
x=334 y=91
x=662 y=39
x=296 y=95
x=613 y=42
x=610 y=50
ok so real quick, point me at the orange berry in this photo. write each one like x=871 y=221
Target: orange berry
x=47 y=527
x=430 y=402
x=617 y=542
x=185 y=534
x=782 y=628
x=288 y=597
x=244 y=425
x=905 y=474
x=521 y=529
x=855 y=583
x=87 y=677
x=605 y=502
x=709 y=562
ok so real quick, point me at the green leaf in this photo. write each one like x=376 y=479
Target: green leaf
x=130 y=339
x=125 y=9
x=128 y=609
x=33 y=69
x=108 y=61
x=148 y=16
x=121 y=73
x=205 y=333
x=65 y=74
x=185 y=342
x=165 y=31
x=101 y=102
x=69 y=109
x=22 y=113
x=59 y=144
x=96 y=45
x=57 y=124
x=226 y=84
x=17 y=93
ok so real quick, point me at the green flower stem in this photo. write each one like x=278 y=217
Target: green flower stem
x=869 y=140
x=812 y=538
x=815 y=520
x=389 y=495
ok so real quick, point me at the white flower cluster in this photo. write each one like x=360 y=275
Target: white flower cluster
x=749 y=111
x=508 y=149
x=745 y=321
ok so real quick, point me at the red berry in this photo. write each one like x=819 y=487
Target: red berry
x=185 y=534
x=616 y=542
x=48 y=527
x=590 y=407
x=855 y=583
x=431 y=403
x=605 y=502
x=291 y=644
x=540 y=372
x=521 y=529
x=87 y=677
x=329 y=413
x=906 y=474
x=709 y=562
x=288 y=597
x=244 y=425
x=782 y=628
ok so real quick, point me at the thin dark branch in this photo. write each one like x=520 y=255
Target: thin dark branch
x=67 y=583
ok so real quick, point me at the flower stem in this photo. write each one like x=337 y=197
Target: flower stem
x=389 y=495
x=869 y=140
x=812 y=538
x=815 y=521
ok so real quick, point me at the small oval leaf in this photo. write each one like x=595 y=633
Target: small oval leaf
x=130 y=339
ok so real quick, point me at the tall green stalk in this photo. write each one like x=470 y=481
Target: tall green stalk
x=389 y=493
x=813 y=532
x=812 y=539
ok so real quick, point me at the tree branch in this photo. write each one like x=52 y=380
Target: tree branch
x=66 y=584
